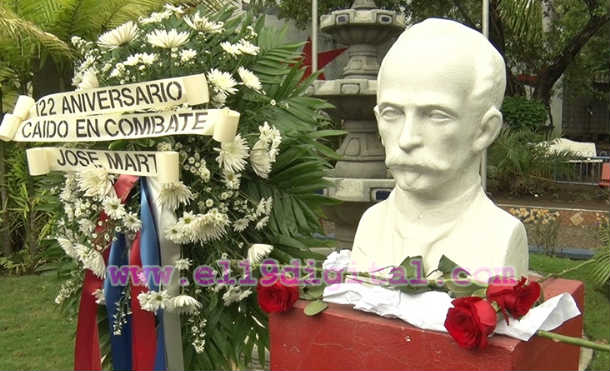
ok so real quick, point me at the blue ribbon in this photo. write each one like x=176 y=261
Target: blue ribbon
x=151 y=256
x=120 y=345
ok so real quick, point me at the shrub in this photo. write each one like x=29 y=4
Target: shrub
x=519 y=164
x=522 y=113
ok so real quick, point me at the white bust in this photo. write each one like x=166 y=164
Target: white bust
x=440 y=89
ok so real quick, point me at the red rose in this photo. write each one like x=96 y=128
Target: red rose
x=470 y=321
x=277 y=297
x=515 y=297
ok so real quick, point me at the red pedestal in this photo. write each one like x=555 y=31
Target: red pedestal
x=341 y=338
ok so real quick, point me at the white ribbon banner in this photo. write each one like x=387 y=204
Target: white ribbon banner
x=220 y=123
x=162 y=165
x=192 y=90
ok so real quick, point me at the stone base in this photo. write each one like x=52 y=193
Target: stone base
x=345 y=339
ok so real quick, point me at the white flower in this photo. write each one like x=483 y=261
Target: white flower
x=119 y=36
x=219 y=99
x=231 y=180
x=68 y=247
x=86 y=226
x=262 y=223
x=260 y=159
x=264 y=206
x=94 y=261
x=148 y=58
x=173 y=194
x=240 y=224
x=167 y=39
x=89 y=79
x=249 y=79
x=337 y=261
x=222 y=81
x=156 y=17
x=234 y=294
x=95 y=182
x=257 y=252
x=183 y=264
x=187 y=54
x=132 y=223
x=201 y=23
x=231 y=155
x=209 y=226
x=183 y=304
x=113 y=207
x=154 y=300
x=247 y=47
x=229 y=48
x=100 y=298
x=270 y=135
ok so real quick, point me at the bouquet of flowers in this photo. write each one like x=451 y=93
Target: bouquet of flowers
x=240 y=200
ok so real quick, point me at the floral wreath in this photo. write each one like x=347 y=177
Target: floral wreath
x=245 y=199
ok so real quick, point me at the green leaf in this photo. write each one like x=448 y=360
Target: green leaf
x=410 y=266
x=315 y=307
x=448 y=266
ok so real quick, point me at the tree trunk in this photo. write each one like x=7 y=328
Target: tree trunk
x=496 y=37
x=551 y=73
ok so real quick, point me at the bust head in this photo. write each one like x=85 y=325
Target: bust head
x=440 y=88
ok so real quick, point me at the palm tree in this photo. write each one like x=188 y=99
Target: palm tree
x=36 y=59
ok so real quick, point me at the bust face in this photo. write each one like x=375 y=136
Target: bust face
x=426 y=118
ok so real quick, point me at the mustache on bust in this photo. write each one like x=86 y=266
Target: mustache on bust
x=417 y=165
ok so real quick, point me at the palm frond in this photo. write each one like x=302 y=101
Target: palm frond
x=15 y=29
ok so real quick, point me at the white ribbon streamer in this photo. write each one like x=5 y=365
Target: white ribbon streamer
x=220 y=123
x=162 y=165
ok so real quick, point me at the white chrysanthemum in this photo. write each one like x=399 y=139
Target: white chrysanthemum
x=173 y=194
x=113 y=207
x=200 y=23
x=86 y=226
x=231 y=180
x=167 y=39
x=247 y=47
x=183 y=304
x=337 y=261
x=132 y=223
x=229 y=48
x=175 y=234
x=264 y=206
x=235 y=294
x=232 y=155
x=119 y=36
x=95 y=182
x=249 y=79
x=269 y=134
x=68 y=247
x=187 y=54
x=262 y=223
x=223 y=81
x=260 y=159
x=209 y=226
x=183 y=264
x=148 y=58
x=154 y=300
x=156 y=17
x=94 y=261
x=100 y=297
x=257 y=252
x=240 y=224
x=89 y=80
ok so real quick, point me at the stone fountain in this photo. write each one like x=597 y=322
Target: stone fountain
x=360 y=178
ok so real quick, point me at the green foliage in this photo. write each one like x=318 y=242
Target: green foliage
x=518 y=163
x=28 y=215
x=522 y=113
x=601 y=266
